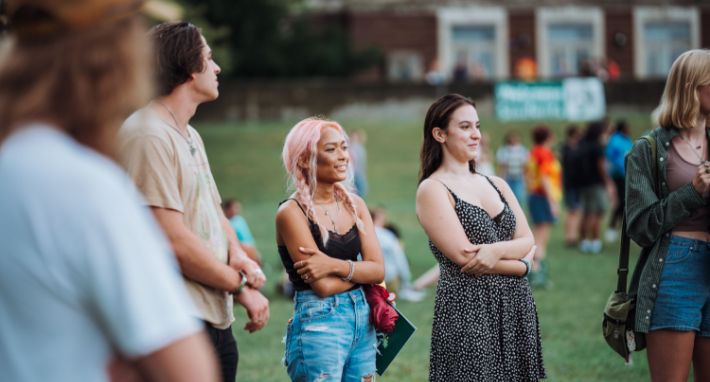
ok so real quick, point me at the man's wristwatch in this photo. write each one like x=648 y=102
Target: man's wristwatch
x=241 y=284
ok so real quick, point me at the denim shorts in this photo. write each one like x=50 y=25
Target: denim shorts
x=540 y=210
x=571 y=198
x=331 y=338
x=683 y=301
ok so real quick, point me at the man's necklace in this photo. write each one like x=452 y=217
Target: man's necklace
x=187 y=138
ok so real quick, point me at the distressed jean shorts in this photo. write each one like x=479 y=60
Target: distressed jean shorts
x=683 y=301
x=330 y=339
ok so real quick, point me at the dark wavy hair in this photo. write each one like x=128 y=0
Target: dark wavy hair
x=439 y=115
x=178 y=54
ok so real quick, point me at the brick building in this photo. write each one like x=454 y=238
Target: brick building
x=489 y=40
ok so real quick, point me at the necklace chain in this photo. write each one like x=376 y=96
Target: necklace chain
x=694 y=149
x=187 y=138
x=337 y=213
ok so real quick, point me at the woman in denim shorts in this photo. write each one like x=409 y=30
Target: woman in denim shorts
x=667 y=195
x=329 y=248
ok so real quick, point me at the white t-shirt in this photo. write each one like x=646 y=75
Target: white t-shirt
x=513 y=158
x=86 y=272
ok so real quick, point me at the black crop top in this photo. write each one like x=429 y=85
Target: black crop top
x=343 y=247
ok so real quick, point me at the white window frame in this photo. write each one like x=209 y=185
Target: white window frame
x=569 y=15
x=406 y=55
x=642 y=15
x=449 y=17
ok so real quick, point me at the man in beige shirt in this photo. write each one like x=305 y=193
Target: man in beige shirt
x=166 y=158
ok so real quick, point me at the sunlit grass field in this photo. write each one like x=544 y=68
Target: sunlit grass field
x=245 y=159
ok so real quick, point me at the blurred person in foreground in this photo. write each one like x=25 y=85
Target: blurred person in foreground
x=569 y=158
x=668 y=214
x=233 y=212
x=166 y=158
x=617 y=147
x=328 y=246
x=88 y=287
x=544 y=177
x=397 y=272
x=485 y=325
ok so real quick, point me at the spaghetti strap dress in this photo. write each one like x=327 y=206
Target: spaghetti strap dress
x=485 y=328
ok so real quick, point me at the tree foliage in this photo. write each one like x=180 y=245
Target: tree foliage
x=277 y=38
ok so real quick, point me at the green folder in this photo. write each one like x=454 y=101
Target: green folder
x=389 y=345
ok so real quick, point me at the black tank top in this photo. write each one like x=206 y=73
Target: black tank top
x=343 y=247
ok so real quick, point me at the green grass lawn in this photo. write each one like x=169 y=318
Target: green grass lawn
x=245 y=160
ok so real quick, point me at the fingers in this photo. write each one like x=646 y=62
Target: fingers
x=468 y=266
x=530 y=255
x=307 y=251
x=256 y=278
x=472 y=249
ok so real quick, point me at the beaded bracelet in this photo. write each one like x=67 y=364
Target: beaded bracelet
x=350 y=273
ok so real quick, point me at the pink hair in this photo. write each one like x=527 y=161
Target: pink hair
x=300 y=160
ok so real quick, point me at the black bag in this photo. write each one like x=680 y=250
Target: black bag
x=620 y=311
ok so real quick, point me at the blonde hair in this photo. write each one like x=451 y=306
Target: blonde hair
x=680 y=105
x=299 y=156
x=84 y=83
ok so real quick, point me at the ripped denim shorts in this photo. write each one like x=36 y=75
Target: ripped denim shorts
x=330 y=339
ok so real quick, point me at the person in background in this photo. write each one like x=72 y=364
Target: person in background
x=233 y=212
x=89 y=290
x=485 y=325
x=397 y=273
x=358 y=154
x=484 y=159
x=596 y=187
x=543 y=174
x=511 y=158
x=166 y=158
x=616 y=149
x=667 y=207
x=569 y=155
x=328 y=246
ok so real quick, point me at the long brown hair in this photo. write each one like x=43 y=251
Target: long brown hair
x=84 y=83
x=439 y=115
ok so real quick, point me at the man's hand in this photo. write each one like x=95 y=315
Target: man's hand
x=255 y=276
x=257 y=307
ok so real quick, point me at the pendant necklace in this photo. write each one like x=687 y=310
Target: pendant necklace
x=695 y=150
x=187 y=138
x=337 y=212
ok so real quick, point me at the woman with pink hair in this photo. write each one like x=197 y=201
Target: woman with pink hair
x=328 y=246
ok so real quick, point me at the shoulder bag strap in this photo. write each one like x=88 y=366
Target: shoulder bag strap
x=623 y=270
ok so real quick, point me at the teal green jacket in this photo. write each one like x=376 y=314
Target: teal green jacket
x=651 y=213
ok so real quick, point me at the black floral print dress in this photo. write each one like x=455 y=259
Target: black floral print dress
x=485 y=328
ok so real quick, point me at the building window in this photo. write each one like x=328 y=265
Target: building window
x=404 y=66
x=474 y=48
x=473 y=43
x=662 y=35
x=568 y=39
